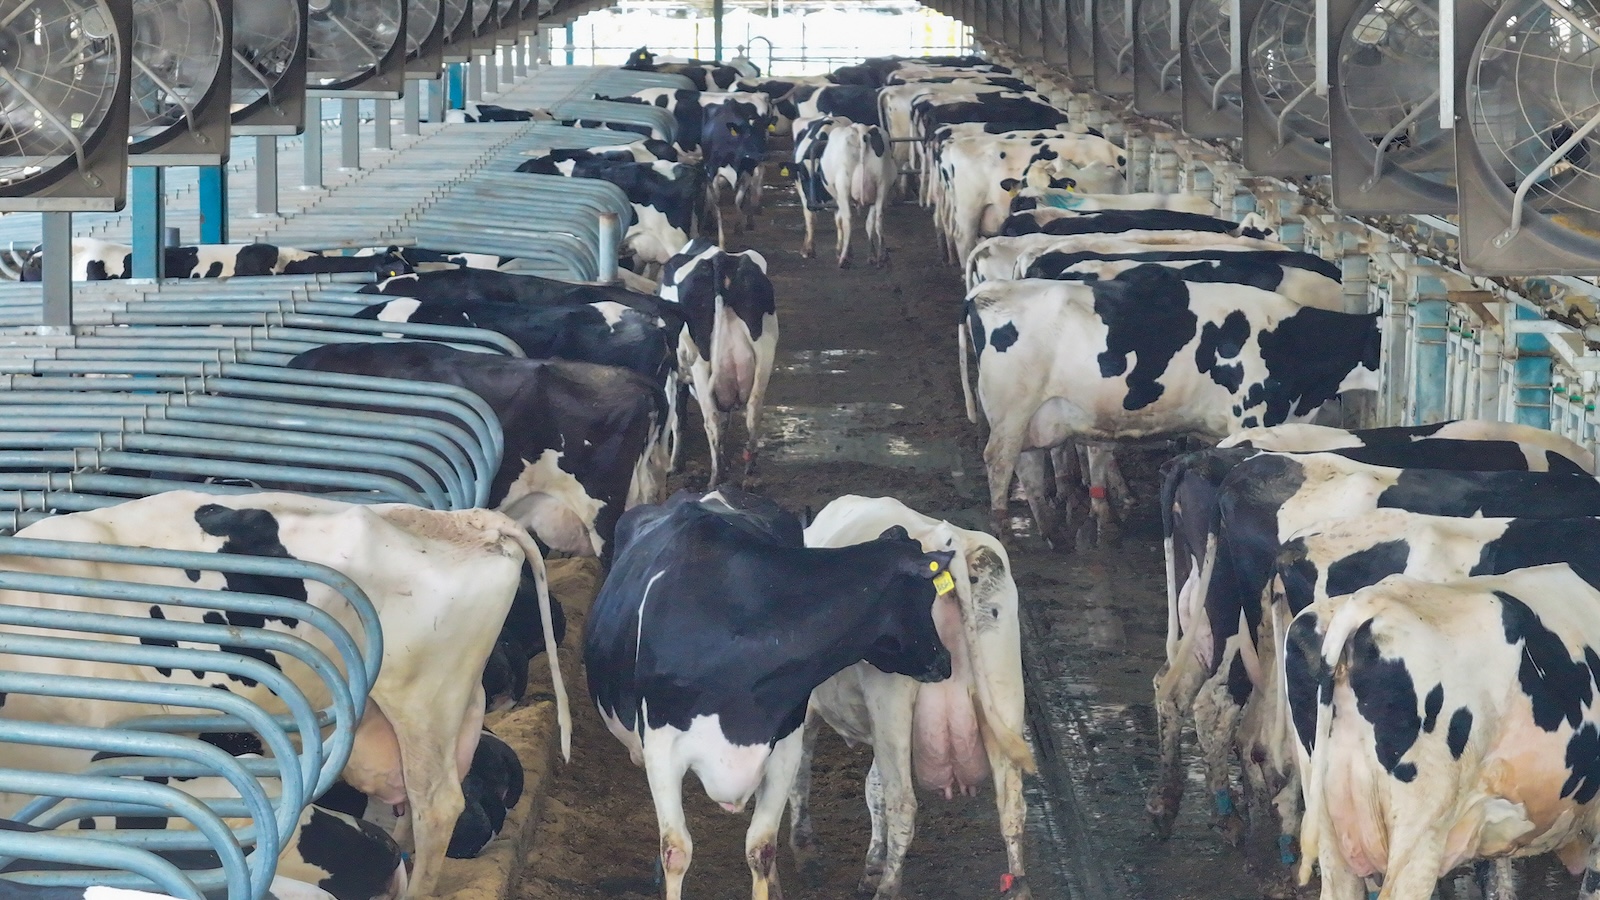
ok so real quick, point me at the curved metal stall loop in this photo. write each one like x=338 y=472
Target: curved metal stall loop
x=153 y=745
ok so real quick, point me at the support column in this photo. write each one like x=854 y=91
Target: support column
x=149 y=202
x=382 y=134
x=267 y=175
x=213 y=205
x=311 y=173
x=716 y=29
x=349 y=134
x=57 y=273
x=412 y=107
x=456 y=78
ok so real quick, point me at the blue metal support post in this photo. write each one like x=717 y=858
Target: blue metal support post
x=456 y=91
x=570 y=47
x=213 y=205
x=149 y=201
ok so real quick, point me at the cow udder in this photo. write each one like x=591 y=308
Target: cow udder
x=947 y=751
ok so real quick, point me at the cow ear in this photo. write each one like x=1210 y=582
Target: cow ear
x=932 y=565
x=895 y=533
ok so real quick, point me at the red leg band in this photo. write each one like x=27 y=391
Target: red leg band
x=1097 y=492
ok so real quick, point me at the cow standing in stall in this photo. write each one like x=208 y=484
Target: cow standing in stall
x=710 y=633
x=849 y=163
x=730 y=341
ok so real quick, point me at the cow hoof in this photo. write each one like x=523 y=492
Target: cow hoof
x=1232 y=828
x=844 y=263
x=810 y=871
x=868 y=885
x=1015 y=887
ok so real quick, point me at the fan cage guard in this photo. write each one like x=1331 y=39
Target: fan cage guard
x=1209 y=81
x=95 y=43
x=268 y=47
x=175 y=95
x=1283 y=67
x=457 y=30
x=1056 y=35
x=1113 y=47
x=1157 y=89
x=1081 y=38
x=1533 y=93
x=1389 y=153
x=425 y=36
x=340 y=32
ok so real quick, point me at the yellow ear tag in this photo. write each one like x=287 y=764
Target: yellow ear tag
x=944 y=583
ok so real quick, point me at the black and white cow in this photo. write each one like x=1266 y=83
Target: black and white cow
x=949 y=737
x=1215 y=637
x=521 y=640
x=854 y=102
x=643 y=150
x=1466 y=710
x=688 y=115
x=976 y=176
x=474 y=111
x=668 y=200
x=1054 y=365
x=712 y=629
x=849 y=163
x=734 y=140
x=97 y=260
x=1009 y=258
x=875 y=71
x=440 y=582
x=731 y=339
x=1305 y=278
x=328 y=854
x=578 y=437
x=1049 y=220
x=422 y=259
x=706 y=76
x=510 y=287
x=605 y=332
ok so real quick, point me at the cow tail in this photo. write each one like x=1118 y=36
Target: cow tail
x=860 y=184
x=961 y=352
x=542 y=583
x=1335 y=638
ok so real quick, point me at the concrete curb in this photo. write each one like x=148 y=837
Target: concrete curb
x=530 y=730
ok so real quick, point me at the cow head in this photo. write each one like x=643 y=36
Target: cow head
x=641 y=60
x=908 y=641
x=736 y=137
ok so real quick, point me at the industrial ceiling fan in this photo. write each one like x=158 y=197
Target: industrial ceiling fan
x=65 y=72
x=269 y=66
x=1527 y=107
x=1389 y=152
x=181 y=98
x=1285 y=109
x=1208 y=38
x=1156 y=87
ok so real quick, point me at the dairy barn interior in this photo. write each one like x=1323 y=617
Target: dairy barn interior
x=1056 y=449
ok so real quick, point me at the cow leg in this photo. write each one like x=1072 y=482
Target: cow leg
x=891 y=759
x=1216 y=725
x=1000 y=459
x=428 y=751
x=875 y=231
x=1497 y=878
x=1069 y=475
x=842 y=215
x=665 y=776
x=766 y=353
x=808 y=247
x=1013 y=820
x=1116 y=486
x=1099 y=463
x=802 y=839
x=878 y=848
x=1036 y=485
x=1416 y=848
x=1176 y=689
x=710 y=417
x=761 y=840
